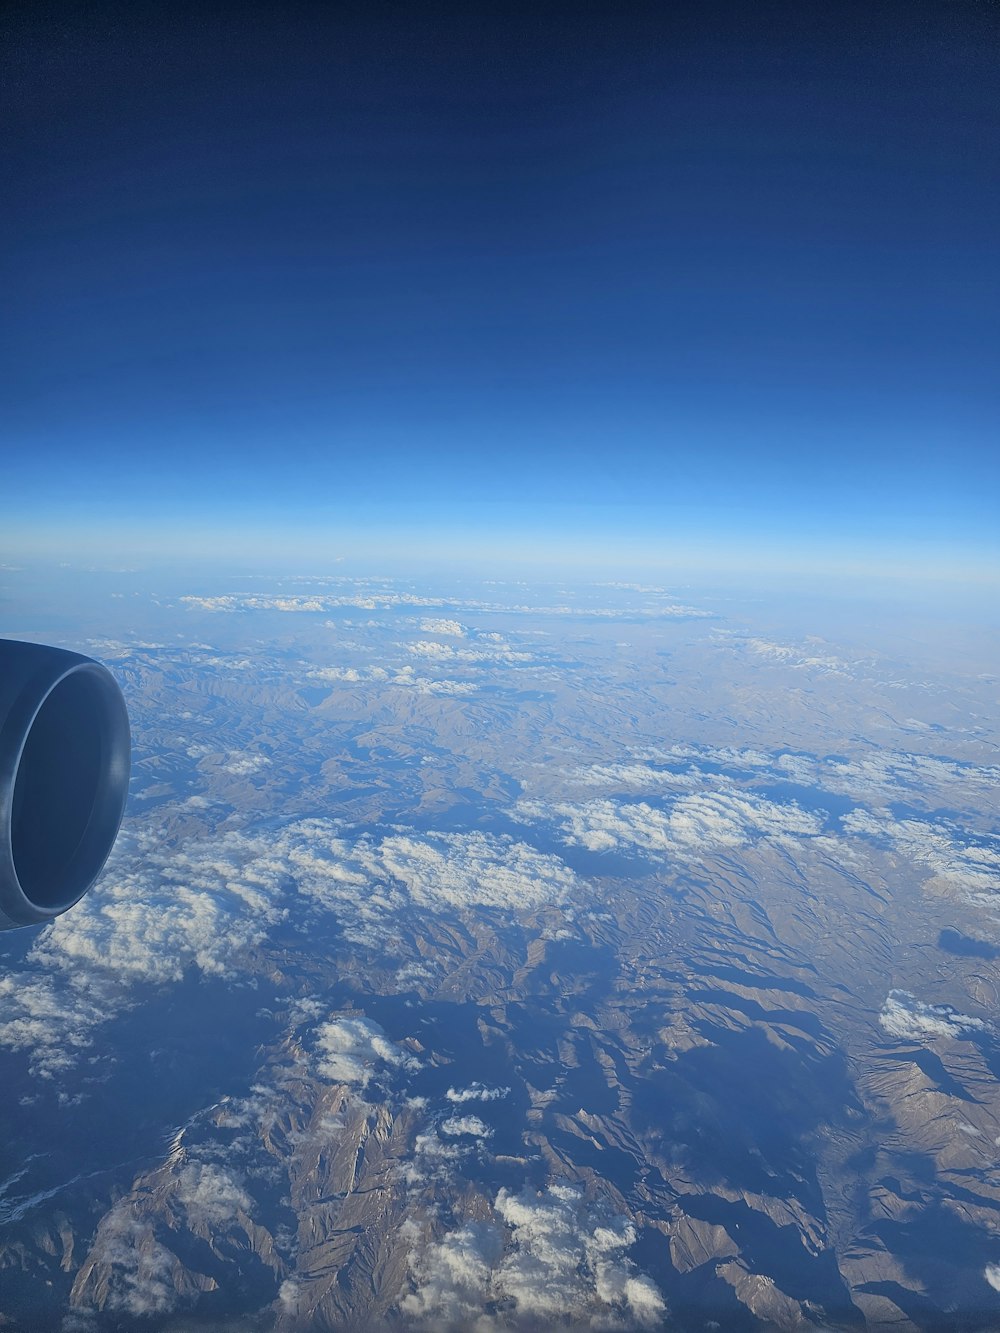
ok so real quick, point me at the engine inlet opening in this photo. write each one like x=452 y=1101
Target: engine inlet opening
x=69 y=791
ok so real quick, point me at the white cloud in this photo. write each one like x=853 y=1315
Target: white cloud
x=432 y=1159
x=910 y=1019
x=279 y=602
x=137 y=1273
x=429 y=648
x=368 y=881
x=475 y=870
x=242 y=765
x=157 y=917
x=231 y=603
x=466 y=1124
x=288 y=1296
x=637 y=777
x=159 y=912
x=973 y=868
x=992 y=1275
x=694 y=823
x=403 y=678
x=880 y=774
x=494 y=652
x=798 y=659
x=562 y=1261
x=335 y=675
x=451 y=627
x=454 y=1280
x=51 y=1018
x=367 y=598
x=476 y=1092
x=423 y=685
x=899 y=773
x=210 y=1196
x=351 y=1048
x=142 y=1274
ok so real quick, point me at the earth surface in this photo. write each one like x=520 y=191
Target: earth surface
x=488 y=956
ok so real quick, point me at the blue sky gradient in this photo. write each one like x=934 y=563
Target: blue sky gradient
x=711 y=277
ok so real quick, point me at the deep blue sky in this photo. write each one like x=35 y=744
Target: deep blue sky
x=716 y=273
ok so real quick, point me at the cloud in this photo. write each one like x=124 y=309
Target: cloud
x=910 y=1019
x=693 y=824
x=451 y=627
x=230 y=603
x=128 y=1265
x=142 y=1274
x=466 y=1124
x=972 y=867
x=560 y=1260
x=365 y=597
x=878 y=774
x=475 y=870
x=432 y=1159
x=493 y=652
x=565 y=1259
x=455 y=1279
x=288 y=1296
x=636 y=777
x=369 y=601
x=244 y=764
x=476 y=1092
x=335 y=675
x=351 y=1048
x=403 y=678
x=160 y=912
x=992 y=1275
x=797 y=658
x=899 y=773
x=368 y=882
x=423 y=685
x=51 y=1018
x=209 y=1196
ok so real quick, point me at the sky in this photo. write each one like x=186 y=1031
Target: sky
x=707 y=278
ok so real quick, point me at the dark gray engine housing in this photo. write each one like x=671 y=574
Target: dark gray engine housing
x=65 y=756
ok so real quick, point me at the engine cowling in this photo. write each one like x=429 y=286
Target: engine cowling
x=65 y=756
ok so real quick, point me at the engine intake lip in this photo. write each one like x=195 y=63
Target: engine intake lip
x=65 y=753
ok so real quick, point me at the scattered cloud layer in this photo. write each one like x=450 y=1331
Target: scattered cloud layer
x=51 y=1018
x=402 y=677
x=558 y=1260
x=799 y=659
x=636 y=777
x=142 y=1274
x=466 y=1124
x=350 y=1050
x=386 y=599
x=160 y=913
x=910 y=1019
x=870 y=775
x=970 y=866
x=451 y=627
x=454 y=1280
x=565 y=1258
x=489 y=653
x=476 y=1092
x=694 y=823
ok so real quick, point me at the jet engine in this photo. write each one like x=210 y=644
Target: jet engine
x=65 y=755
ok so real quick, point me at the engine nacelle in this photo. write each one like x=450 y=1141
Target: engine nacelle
x=65 y=755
